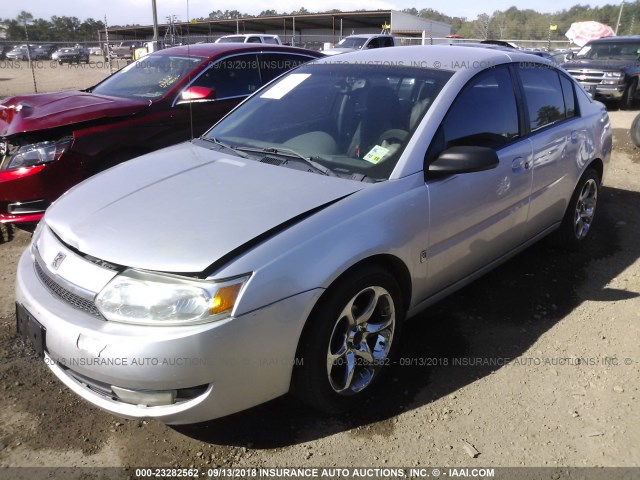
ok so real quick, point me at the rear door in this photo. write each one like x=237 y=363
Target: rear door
x=554 y=126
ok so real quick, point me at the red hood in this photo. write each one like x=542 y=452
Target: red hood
x=29 y=113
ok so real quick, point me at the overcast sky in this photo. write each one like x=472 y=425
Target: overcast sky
x=139 y=11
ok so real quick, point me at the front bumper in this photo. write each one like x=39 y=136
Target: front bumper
x=37 y=186
x=609 y=92
x=238 y=363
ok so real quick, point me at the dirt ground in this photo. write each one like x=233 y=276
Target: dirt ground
x=542 y=369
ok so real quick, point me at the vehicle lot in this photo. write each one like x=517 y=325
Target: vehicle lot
x=565 y=324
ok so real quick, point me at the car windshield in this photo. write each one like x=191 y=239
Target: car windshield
x=350 y=119
x=151 y=77
x=351 y=42
x=609 y=50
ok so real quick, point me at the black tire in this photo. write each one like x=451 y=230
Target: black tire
x=321 y=377
x=626 y=102
x=578 y=219
x=634 y=131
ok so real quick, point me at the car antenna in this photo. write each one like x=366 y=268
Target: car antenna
x=189 y=55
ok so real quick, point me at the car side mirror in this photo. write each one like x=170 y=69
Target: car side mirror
x=456 y=160
x=569 y=56
x=197 y=94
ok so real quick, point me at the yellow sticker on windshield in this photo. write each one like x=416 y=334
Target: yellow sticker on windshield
x=376 y=154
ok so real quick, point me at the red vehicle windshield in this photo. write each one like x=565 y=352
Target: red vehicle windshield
x=150 y=77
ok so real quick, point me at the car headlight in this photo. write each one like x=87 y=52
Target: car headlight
x=38 y=153
x=153 y=299
x=612 y=78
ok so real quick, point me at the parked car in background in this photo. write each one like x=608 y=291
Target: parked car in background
x=542 y=54
x=77 y=54
x=56 y=54
x=20 y=53
x=51 y=141
x=361 y=42
x=125 y=49
x=4 y=49
x=312 y=220
x=608 y=68
x=95 y=51
x=250 y=38
x=44 y=51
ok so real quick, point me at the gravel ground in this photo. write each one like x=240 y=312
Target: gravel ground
x=569 y=323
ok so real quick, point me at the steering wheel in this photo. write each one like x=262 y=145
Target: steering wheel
x=395 y=135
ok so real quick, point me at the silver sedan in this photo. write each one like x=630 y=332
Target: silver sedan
x=283 y=249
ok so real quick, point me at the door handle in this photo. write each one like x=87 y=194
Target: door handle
x=519 y=164
x=574 y=136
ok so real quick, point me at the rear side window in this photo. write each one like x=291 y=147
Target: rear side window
x=484 y=114
x=569 y=97
x=387 y=42
x=543 y=96
x=273 y=65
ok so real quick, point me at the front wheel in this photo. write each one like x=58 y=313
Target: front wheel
x=580 y=213
x=349 y=341
x=626 y=102
x=634 y=131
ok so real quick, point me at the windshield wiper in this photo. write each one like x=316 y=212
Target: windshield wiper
x=287 y=152
x=237 y=151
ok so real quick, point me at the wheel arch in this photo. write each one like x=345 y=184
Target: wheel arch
x=598 y=166
x=393 y=264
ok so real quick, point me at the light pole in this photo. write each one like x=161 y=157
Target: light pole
x=155 y=23
x=26 y=35
x=619 y=16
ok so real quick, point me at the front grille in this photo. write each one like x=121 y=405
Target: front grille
x=587 y=76
x=31 y=206
x=61 y=292
x=104 y=389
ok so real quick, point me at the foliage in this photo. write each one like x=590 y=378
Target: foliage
x=57 y=29
x=512 y=23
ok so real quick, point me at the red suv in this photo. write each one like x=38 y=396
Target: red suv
x=49 y=142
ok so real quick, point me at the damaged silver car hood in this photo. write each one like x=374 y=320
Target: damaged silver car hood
x=185 y=207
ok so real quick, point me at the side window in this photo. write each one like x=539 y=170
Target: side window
x=374 y=43
x=569 y=97
x=231 y=77
x=543 y=96
x=275 y=64
x=254 y=40
x=484 y=114
x=387 y=42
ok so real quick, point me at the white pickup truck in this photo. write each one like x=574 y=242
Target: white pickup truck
x=250 y=38
x=361 y=42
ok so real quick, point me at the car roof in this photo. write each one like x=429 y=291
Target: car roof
x=245 y=35
x=623 y=39
x=368 y=35
x=452 y=57
x=217 y=49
